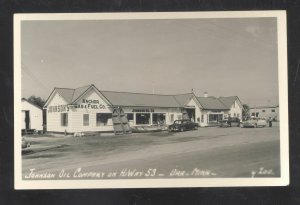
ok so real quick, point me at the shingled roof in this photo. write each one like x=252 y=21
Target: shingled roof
x=127 y=98
x=183 y=99
x=228 y=101
x=211 y=103
x=148 y=100
x=140 y=99
x=70 y=94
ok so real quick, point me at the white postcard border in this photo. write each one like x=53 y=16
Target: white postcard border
x=155 y=183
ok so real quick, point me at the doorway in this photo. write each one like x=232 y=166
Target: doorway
x=191 y=114
x=27 y=120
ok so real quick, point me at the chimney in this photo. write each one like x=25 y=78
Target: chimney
x=205 y=94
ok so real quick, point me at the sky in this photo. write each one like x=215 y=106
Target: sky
x=224 y=57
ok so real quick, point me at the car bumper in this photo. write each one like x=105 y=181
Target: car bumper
x=248 y=125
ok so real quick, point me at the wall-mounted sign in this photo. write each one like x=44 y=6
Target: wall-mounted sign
x=58 y=108
x=143 y=110
x=90 y=104
x=90 y=101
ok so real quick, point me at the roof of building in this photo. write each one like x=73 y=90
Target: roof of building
x=182 y=99
x=149 y=100
x=212 y=103
x=228 y=101
x=24 y=99
x=70 y=94
x=79 y=91
x=262 y=107
x=66 y=93
x=143 y=99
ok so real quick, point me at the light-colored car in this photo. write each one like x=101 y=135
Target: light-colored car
x=254 y=122
x=261 y=123
x=249 y=123
x=25 y=143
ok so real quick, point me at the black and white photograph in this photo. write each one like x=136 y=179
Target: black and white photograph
x=156 y=99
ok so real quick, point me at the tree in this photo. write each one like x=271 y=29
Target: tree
x=245 y=111
x=37 y=101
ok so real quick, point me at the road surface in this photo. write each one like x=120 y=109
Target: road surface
x=207 y=152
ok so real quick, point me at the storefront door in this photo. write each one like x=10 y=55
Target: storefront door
x=191 y=114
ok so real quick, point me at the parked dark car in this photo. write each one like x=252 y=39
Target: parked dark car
x=230 y=122
x=183 y=125
x=223 y=123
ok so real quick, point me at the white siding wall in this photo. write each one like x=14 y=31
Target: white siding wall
x=35 y=115
x=203 y=122
x=76 y=116
x=177 y=114
x=236 y=109
x=53 y=118
x=268 y=112
x=198 y=111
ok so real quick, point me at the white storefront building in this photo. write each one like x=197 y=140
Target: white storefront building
x=271 y=111
x=32 y=116
x=87 y=109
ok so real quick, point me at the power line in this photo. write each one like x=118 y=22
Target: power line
x=33 y=77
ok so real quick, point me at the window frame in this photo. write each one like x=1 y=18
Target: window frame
x=64 y=120
x=84 y=122
x=100 y=123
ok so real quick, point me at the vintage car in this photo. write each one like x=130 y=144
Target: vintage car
x=25 y=143
x=223 y=123
x=254 y=122
x=230 y=122
x=182 y=125
x=261 y=123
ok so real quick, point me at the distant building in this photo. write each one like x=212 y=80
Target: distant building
x=265 y=112
x=32 y=116
x=89 y=109
x=215 y=109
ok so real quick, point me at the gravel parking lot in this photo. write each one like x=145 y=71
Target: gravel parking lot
x=207 y=152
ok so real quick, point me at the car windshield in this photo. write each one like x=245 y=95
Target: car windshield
x=178 y=122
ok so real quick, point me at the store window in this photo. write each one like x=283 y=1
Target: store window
x=234 y=115
x=238 y=115
x=273 y=110
x=103 y=119
x=215 y=117
x=263 y=110
x=158 y=118
x=142 y=118
x=86 y=120
x=129 y=116
x=64 y=119
x=202 y=118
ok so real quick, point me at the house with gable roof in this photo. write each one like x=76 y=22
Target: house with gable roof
x=89 y=109
x=32 y=116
